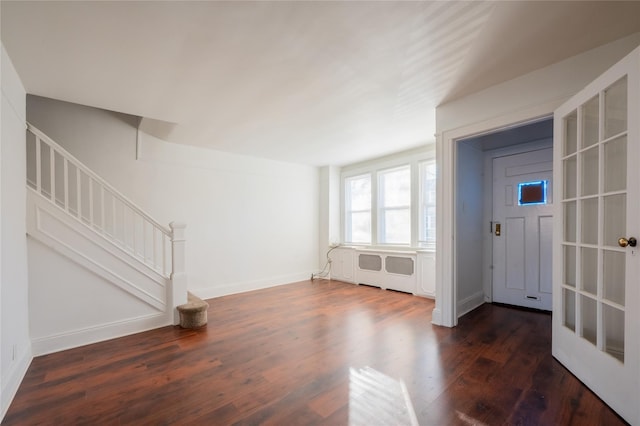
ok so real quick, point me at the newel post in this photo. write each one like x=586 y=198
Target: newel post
x=178 y=292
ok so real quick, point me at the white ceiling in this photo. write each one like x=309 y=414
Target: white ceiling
x=308 y=82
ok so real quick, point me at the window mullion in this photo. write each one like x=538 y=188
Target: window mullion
x=374 y=208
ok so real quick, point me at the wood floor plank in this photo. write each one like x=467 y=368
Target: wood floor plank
x=321 y=352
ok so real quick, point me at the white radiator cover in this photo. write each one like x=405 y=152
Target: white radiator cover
x=395 y=270
x=411 y=271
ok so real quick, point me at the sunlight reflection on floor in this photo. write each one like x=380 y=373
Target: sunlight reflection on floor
x=377 y=399
x=469 y=420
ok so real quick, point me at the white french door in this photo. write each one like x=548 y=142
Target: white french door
x=596 y=263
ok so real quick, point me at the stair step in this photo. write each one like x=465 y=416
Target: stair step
x=193 y=314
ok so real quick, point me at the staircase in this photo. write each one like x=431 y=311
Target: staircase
x=74 y=212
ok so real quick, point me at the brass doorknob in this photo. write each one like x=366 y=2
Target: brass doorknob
x=623 y=242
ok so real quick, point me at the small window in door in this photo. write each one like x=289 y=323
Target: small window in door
x=530 y=193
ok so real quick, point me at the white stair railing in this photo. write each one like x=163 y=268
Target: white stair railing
x=58 y=176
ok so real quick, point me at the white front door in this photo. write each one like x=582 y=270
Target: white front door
x=523 y=229
x=596 y=264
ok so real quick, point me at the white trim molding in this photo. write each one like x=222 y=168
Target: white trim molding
x=446 y=310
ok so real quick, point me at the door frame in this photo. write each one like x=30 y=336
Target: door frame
x=445 y=311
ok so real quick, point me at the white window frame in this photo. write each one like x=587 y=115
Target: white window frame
x=373 y=167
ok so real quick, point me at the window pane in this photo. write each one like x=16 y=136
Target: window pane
x=590 y=112
x=358 y=209
x=590 y=171
x=570 y=177
x=589 y=318
x=615 y=219
x=359 y=193
x=589 y=230
x=395 y=188
x=395 y=206
x=360 y=228
x=615 y=164
x=397 y=226
x=589 y=265
x=613 y=332
x=532 y=193
x=570 y=221
x=615 y=108
x=427 y=225
x=613 y=280
x=571 y=133
x=569 y=266
x=569 y=305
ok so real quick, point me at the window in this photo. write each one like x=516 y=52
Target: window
x=358 y=209
x=532 y=193
x=394 y=203
x=391 y=202
x=427 y=225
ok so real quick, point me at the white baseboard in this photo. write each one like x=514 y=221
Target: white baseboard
x=16 y=375
x=470 y=303
x=99 y=333
x=242 y=287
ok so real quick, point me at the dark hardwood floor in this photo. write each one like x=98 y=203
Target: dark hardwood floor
x=320 y=352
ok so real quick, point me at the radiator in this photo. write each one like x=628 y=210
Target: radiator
x=387 y=270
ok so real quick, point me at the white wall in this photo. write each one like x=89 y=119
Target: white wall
x=329 y=209
x=554 y=83
x=15 y=347
x=533 y=95
x=251 y=223
x=469 y=206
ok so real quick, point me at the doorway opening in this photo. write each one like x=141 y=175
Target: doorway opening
x=496 y=258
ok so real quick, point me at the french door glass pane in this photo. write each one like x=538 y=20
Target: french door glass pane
x=613 y=276
x=589 y=269
x=570 y=221
x=615 y=164
x=571 y=133
x=589 y=229
x=570 y=266
x=589 y=317
x=590 y=171
x=590 y=122
x=613 y=331
x=569 y=305
x=615 y=108
x=570 y=177
x=615 y=218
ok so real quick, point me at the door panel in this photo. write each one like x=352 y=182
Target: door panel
x=595 y=279
x=546 y=246
x=514 y=236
